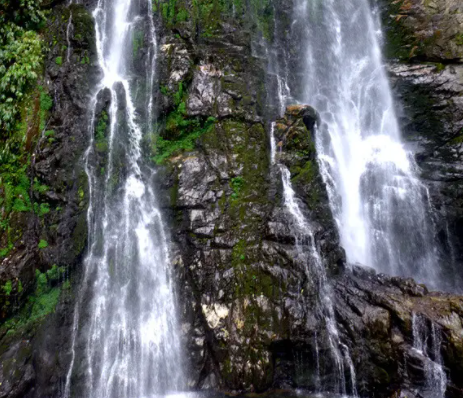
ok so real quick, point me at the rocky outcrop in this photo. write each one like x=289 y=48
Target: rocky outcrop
x=376 y=315
x=250 y=319
x=426 y=30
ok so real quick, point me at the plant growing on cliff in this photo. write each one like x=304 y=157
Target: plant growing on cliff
x=41 y=303
x=42 y=244
x=20 y=56
x=180 y=134
x=7 y=288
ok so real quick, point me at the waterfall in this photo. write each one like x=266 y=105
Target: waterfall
x=68 y=38
x=429 y=346
x=381 y=208
x=126 y=337
x=315 y=269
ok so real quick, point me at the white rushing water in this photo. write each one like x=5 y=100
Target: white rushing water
x=381 y=207
x=429 y=346
x=309 y=255
x=126 y=337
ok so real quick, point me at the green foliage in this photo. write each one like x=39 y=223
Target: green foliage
x=178 y=96
x=262 y=11
x=55 y=273
x=236 y=185
x=20 y=61
x=42 y=244
x=59 y=61
x=16 y=185
x=7 y=288
x=459 y=39
x=85 y=60
x=25 y=13
x=181 y=133
x=182 y=15
x=20 y=57
x=39 y=304
x=100 y=132
x=42 y=209
x=38 y=187
x=207 y=15
x=440 y=67
x=4 y=252
x=164 y=90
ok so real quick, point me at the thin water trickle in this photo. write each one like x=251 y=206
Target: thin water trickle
x=316 y=271
x=68 y=37
x=126 y=336
x=381 y=208
x=429 y=346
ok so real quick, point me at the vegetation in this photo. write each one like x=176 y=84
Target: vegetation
x=20 y=57
x=41 y=303
x=23 y=109
x=15 y=184
x=101 y=142
x=236 y=185
x=137 y=42
x=181 y=131
x=42 y=244
x=207 y=15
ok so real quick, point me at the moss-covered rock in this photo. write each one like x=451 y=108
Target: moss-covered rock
x=430 y=30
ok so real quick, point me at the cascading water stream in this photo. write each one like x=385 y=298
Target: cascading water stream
x=125 y=337
x=429 y=346
x=381 y=208
x=315 y=269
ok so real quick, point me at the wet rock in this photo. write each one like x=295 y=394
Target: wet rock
x=430 y=30
x=28 y=363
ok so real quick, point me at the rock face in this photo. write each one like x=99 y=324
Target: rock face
x=376 y=313
x=248 y=302
x=427 y=30
x=50 y=242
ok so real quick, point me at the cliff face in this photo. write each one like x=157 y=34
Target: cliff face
x=248 y=300
x=46 y=239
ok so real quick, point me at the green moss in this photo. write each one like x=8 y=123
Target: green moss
x=439 y=67
x=7 y=288
x=46 y=103
x=79 y=235
x=101 y=127
x=59 y=61
x=459 y=39
x=42 y=244
x=181 y=131
x=42 y=209
x=304 y=174
x=137 y=42
x=236 y=185
x=39 y=304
